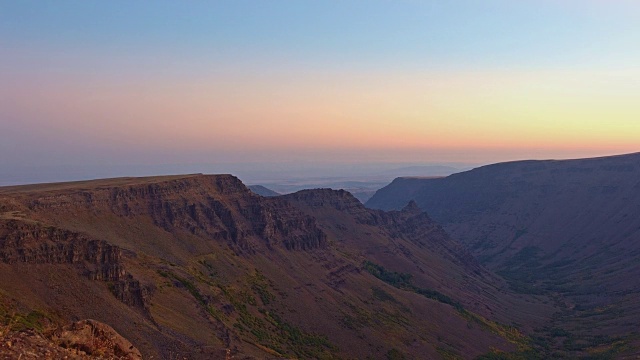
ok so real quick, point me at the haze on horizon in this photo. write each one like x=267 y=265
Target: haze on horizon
x=118 y=84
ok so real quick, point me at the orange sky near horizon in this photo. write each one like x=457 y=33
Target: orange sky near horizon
x=570 y=112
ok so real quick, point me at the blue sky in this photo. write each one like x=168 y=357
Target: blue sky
x=335 y=33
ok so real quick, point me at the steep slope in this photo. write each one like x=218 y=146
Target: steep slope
x=568 y=227
x=200 y=267
x=408 y=241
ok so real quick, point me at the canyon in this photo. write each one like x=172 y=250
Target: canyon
x=521 y=260
x=199 y=266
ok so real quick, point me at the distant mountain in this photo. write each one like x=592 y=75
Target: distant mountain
x=569 y=227
x=423 y=170
x=363 y=195
x=200 y=267
x=361 y=184
x=262 y=191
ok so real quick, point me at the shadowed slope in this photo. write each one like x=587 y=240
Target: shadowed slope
x=569 y=227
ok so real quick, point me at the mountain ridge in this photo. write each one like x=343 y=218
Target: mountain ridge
x=214 y=269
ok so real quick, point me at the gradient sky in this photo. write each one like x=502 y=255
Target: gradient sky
x=164 y=82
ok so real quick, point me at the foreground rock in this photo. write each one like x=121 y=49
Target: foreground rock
x=86 y=339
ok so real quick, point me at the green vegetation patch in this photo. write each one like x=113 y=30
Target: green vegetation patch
x=14 y=319
x=261 y=285
x=393 y=278
x=266 y=329
x=271 y=331
x=34 y=320
x=403 y=281
x=511 y=333
x=195 y=293
x=543 y=346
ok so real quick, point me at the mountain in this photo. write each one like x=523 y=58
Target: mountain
x=198 y=266
x=569 y=228
x=360 y=180
x=262 y=191
x=424 y=170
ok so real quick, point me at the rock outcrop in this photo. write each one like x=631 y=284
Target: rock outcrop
x=22 y=242
x=219 y=207
x=86 y=339
x=37 y=244
x=340 y=200
x=95 y=338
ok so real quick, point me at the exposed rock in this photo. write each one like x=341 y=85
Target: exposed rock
x=412 y=208
x=86 y=339
x=22 y=242
x=338 y=199
x=218 y=207
x=95 y=338
x=129 y=291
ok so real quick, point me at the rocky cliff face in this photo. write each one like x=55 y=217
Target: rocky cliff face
x=340 y=200
x=410 y=223
x=277 y=221
x=217 y=207
x=23 y=242
x=37 y=244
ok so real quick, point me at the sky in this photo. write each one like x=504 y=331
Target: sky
x=124 y=84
